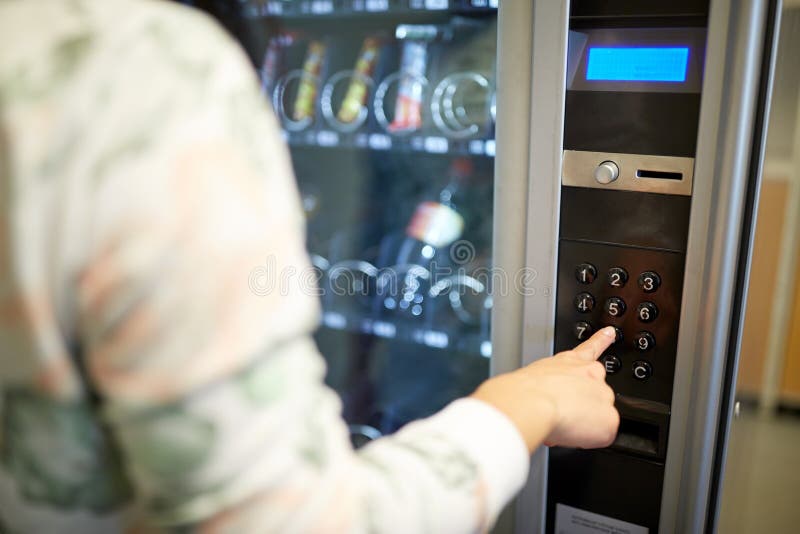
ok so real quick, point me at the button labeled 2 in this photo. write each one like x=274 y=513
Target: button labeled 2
x=617 y=277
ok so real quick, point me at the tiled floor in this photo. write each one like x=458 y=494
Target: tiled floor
x=761 y=492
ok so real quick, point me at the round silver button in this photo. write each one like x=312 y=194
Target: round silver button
x=606 y=172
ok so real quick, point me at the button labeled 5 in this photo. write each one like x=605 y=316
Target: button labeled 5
x=615 y=306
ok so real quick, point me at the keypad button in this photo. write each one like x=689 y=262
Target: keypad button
x=582 y=330
x=615 y=307
x=618 y=332
x=585 y=273
x=642 y=370
x=647 y=312
x=617 y=277
x=611 y=363
x=649 y=281
x=584 y=302
x=644 y=341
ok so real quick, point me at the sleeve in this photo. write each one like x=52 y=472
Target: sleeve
x=197 y=304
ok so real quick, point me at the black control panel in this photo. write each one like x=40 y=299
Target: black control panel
x=632 y=106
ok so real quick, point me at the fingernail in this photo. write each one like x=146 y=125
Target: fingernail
x=609 y=331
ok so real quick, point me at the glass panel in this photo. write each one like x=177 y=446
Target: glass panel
x=388 y=108
x=761 y=483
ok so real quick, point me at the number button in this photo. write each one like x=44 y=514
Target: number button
x=611 y=363
x=642 y=370
x=644 y=341
x=615 y=306
x=647 y=312
x=584 y=302
x=649 y=281
x=582 y=330
x=617 y=277
x=618 y=332
x=585 y=273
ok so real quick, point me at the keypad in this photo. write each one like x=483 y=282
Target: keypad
x=635 y=291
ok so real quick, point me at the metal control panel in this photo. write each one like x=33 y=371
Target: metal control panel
x=631 y=116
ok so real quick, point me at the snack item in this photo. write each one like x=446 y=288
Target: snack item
x=410 y=92
x=356 y=96
x=309 y=82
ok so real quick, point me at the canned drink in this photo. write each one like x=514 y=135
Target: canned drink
x=356 y=96
x=410 y=91
x=309 y=82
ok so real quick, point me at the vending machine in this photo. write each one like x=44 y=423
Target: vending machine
x=486 y=184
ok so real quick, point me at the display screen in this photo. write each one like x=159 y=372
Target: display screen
x=637 y=64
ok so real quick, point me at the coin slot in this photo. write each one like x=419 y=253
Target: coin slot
x=638 y=437
x=659 y=175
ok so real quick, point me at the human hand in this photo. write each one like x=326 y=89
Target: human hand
x=563 y=400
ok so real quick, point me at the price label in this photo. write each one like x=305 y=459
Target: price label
x=361 y=140
x=438 y=340
x=380 y=142
x=479 y=3
x=383 y=329
x=274 y=8
x=434 y=5
x=494 y=3
x=476 y=147
x=486 y=349
x=358 y=5
x=377 y=5
x=322 y=7
x=491 y=146
x=327 y=138
x=416 y=4
x=436 y=145
x=334 y=320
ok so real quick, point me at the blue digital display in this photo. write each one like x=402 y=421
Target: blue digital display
x=634 y=64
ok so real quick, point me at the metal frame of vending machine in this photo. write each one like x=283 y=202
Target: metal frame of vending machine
x=673 y=485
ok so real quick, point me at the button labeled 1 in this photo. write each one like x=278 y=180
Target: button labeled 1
x=585 y=273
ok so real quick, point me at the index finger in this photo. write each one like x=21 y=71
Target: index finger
x=592 y=348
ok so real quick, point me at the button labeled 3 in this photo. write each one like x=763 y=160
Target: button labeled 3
x=649 y=281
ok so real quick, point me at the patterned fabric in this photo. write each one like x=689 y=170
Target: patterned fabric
x=143 y=385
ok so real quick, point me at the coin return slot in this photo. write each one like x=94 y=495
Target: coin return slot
x=638 y=437
x=659 y=175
